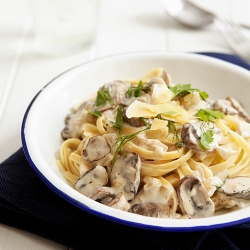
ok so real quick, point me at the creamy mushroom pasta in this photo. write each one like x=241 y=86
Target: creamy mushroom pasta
x=155 y=148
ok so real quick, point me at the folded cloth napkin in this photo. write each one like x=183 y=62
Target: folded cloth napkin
x=28 y=204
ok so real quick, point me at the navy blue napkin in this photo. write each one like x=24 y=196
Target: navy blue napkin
x=28 y=204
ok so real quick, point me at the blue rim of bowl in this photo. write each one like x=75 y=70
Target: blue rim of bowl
x=97 y=213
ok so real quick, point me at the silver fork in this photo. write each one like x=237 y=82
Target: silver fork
x=232 y=32
x=191 y=15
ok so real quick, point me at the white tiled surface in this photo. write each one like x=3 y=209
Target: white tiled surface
x=124 y=26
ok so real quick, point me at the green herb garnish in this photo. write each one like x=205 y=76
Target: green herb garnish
x=220 y=187
x=135 y=91
x=122 y=140
x=103 y=96
x=95 y=113
x=180 y=90
x=172 y=129
x=206 y=139
x=209 y=115
x=119 y=120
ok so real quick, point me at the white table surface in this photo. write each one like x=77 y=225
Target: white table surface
x=124 y=26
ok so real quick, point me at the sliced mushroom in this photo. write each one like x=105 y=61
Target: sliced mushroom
x=166 y=77
x=116 y=201
x=224 y=201
x=224 y=106
x=190 y=137
x=117 y=90
x=106 y=196
x=193 y=198
x=125 y=175
x=92 y=179
x=73 y=121
x=238 y=187
x=101 y=192
x=239 y=107
x=155 y=199
x=215 y=181
x=191 y=134
x=133 y=121
x=143 y=98
x=98 y=149
x=158 y=90
x=150 y=209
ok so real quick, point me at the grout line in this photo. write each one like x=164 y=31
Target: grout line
x=19 y=52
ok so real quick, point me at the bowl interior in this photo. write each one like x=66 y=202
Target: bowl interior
x=44 y=120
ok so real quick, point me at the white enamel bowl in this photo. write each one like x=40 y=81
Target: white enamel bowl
x=44 y=120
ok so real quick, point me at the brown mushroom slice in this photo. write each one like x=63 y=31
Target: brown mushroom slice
x=92 y=179
x=190 y=137
x=73 y=121
x=224 y=106
x=237 y=187
x=100 y=193
x=193 y=198
x=143 y=98
x=238 y=106
x=117 y=90
x=166 y=77
x=224 y=201
x=155 y=199
x=158 y=90
x=191 y=134
x=133 y=121
x=106 y=196
x=125 y=175
x=149 y=209
x=98 y=149
x=117 y=201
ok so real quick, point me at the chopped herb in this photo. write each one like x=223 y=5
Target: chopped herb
x=206 y=139
x=172 y=129
x=204 y=95
x=220 y=187
x=119 y=120
x=135 y=91
x=103 y=96
x=95 y=113
x=122 y=140
x=180 y=90
x=208 y=115
x=146 y=123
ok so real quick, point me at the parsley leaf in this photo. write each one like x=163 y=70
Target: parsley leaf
x=206 y=139
x=135 y=91
x=204 y=95
x=209 y=115
x=102 y=97
x=180 y=90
